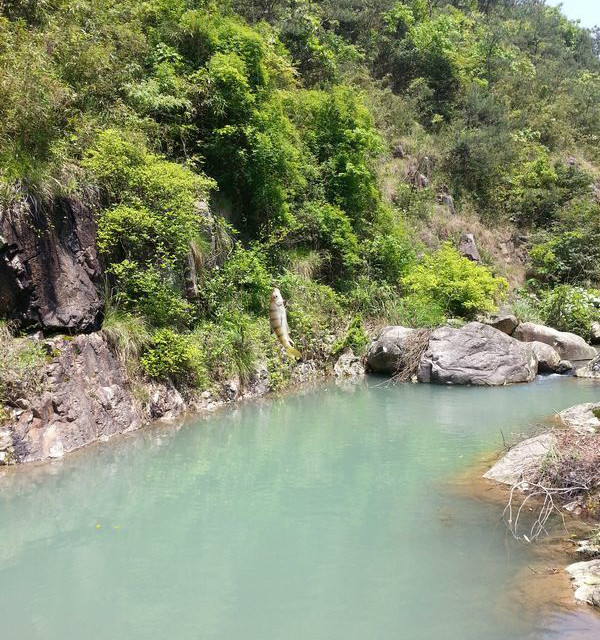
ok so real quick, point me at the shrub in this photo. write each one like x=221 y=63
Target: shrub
x=171 y=355
x=571 y=309
x=355 y=338
x=455 y=284
x=147 y=289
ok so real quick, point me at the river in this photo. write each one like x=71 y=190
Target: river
x=330 y=514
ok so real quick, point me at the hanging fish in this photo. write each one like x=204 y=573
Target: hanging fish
x=279 y=324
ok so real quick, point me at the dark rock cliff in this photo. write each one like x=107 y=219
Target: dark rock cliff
x=50 y=276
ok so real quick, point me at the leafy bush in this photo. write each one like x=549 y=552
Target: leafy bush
x=571 y=309
x=455 y=284
x=127 y=334
x=170 y=355
x=355 y=338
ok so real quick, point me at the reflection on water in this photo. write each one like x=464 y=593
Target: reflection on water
x=320 y=516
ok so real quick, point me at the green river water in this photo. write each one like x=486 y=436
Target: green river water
x=323 y=515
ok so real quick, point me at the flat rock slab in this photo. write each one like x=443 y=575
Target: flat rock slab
x=569 y=346
x=522 y=459
x=476 y=354
x=581 y=418
x=586 y=580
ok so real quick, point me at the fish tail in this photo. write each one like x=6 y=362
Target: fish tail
x=294 y=353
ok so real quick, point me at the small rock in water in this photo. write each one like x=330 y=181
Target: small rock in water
x=586 y=580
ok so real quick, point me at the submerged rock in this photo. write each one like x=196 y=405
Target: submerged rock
x=521 y=459
x=569 y=346
x=85 y=398
x=386 y=351
x=591 y=370
x=476 y=354
x=582 y=418
x=586 y=580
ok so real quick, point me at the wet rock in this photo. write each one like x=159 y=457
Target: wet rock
x=522 y=459
x=581 y=418
x=586 y=581
x=468 y=248
x=165 y=402
x=476 y=354
x=50 y=276
x=385 y=352
x=86 y=398
x=506 y=323
x=569 y=346
x=591 y=370
x=348 y=366
x=588 y=548
x=549 y=360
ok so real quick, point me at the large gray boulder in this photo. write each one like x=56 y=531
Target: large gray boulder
x=523 y=459
x=586 y=581
x=476 y=354
x=50 y=276
x=590 y=370
x=85 y=398
x=386 y=351
x=569 y=346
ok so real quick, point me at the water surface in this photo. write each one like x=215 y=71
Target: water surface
x=322 y=516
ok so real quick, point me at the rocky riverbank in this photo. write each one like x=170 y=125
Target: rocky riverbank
x=559 y=471
x=83 y=393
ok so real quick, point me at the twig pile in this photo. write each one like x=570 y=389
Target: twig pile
x=414 y=347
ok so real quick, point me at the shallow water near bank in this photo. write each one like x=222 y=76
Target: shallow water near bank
x=324 y=515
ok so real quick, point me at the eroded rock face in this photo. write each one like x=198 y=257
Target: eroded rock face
x=591 y=370
x=50 y=276
x=385 y=352
x=569 y=346
x=582 y=417
x=522 y=459
x=586 y=580
x=85 y=398
x=476 y=354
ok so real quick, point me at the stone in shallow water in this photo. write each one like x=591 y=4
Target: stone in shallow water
x=591 y=370
x=521 y=459
x=476 y=354
x=385 y=352
x=586 y=580
x=581 y=418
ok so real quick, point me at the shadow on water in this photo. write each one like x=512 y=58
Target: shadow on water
x=324 y=514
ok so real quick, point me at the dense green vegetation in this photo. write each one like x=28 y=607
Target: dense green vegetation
x=284 y=115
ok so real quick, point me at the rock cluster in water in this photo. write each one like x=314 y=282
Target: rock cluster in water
x=500 y=352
